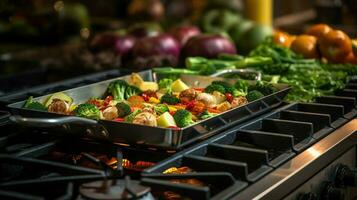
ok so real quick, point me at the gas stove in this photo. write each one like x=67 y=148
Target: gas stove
x=297 y=151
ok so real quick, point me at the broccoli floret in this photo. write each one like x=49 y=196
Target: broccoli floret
x=242 y=86
x=161 y=109
x=215 y=87
x=169 y=99
x=264 y=87
x=183 y=118
x=131 y=91
x=117 y=89
x=254 y=95
x=165 y=84
x=123 y=109
x=130 y=118
x=33 y=105
x=205 y=115
x=224 y=84
x=88 y=111
x=229 y=88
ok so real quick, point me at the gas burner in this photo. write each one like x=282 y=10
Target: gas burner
x=115 y=189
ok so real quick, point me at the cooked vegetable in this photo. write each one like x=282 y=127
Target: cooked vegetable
x=148 y=86
x=129 y=118
x=220 y=97
x=229 y=88
x=305 y=45
x=183 y=118
x=205 y=115
x=110 y=113
x=33 y=105
x=136 y=101
x=166 y=120
x=58 y=95
x=160 y=109
x=131 y=91
x=58 y=106
x=208 y=46
x=123 y=109
x=264 y=87
x=156 y=51
x=224 y=106
x=242 y=87
x=208 y=99
x=188 y=94
x=215 y=87
x=88 y=111
x=178 y=86
x=117 y=89
x=254 y=95
x=169 y=99
x=165 y=85
x=239 y=101
x=145 y=118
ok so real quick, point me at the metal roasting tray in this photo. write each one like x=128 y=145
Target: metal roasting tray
x=133 y=134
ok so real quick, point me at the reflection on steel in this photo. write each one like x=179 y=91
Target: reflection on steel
x=287 y=177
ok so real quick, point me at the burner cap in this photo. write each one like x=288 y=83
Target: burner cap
x=115 y=190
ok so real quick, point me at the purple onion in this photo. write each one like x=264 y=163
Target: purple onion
x=121 y=45
x=156 y=51
x=209 y=46
x=184 y=33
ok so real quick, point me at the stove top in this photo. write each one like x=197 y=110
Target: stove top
x=35 y=164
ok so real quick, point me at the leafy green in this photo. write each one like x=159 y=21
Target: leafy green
x=33 y=105
x=205 y=115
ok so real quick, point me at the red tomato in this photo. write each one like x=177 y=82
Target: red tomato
x=118 y=119
x=107 y=100
x=229 y=97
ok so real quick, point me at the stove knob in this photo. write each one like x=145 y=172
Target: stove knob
x=307 y=196
x=330 y=192
x=345 y=177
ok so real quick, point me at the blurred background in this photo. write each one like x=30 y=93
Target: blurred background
x=43 y=41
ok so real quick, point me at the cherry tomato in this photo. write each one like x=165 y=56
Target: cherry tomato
x=229 y=97
x=335 y=46
x=318 y=30
x=305 y=45
x=190 y=105
x=145 y=96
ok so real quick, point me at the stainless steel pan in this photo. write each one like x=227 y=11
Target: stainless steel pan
x=133 y=134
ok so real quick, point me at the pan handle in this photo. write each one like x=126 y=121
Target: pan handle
x=70 y=124
x=258 y=75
